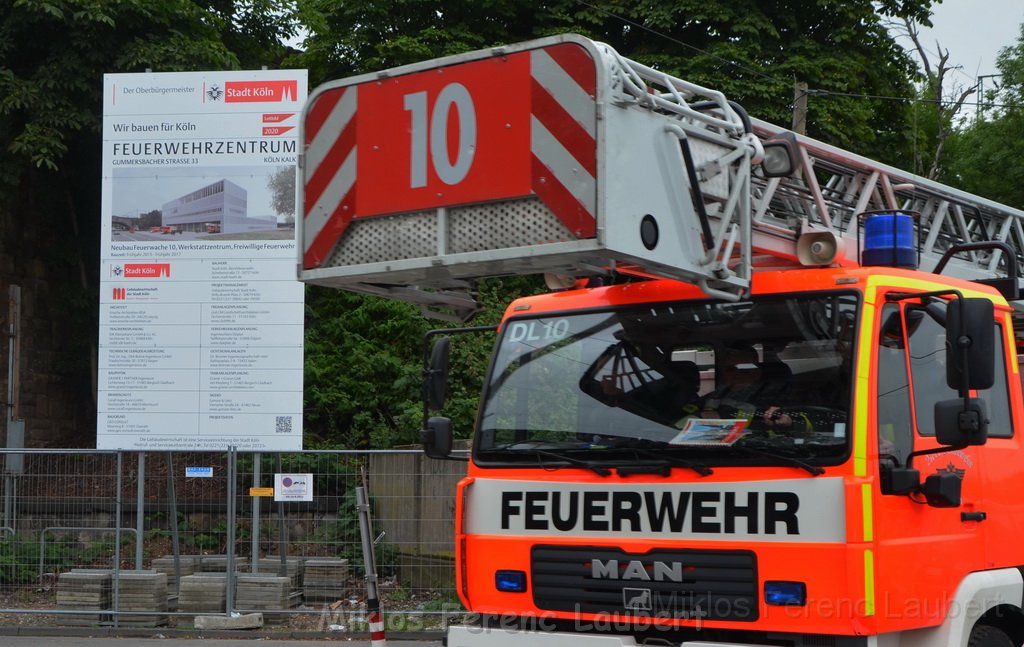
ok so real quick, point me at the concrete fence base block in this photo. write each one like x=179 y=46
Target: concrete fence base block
x=246 y=621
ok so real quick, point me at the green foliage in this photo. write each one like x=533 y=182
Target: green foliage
x=364 y=360
x=753 y=52
x=342 y=534
x=19 y=556
x=449 y=604
x=255 y=31
x=215 y=539
x=364 y=354
x=154 y=523
x=471 y=353
x=985 y=158
x=53 y=54
x=19 y=560
x=361 y=373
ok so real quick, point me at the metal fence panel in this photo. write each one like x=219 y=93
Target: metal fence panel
x=123 y=538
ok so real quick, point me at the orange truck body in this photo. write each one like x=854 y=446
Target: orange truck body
x=894 y=570
x=620 y=522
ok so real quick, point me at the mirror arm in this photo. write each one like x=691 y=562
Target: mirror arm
x=451 y=457
x=900 y=296
x=933 y=450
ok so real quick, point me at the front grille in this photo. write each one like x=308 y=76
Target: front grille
x=706 y=584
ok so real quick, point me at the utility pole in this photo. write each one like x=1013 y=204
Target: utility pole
x=980 y=109
x=13 y=463
x=13 y=356
x=800 y=107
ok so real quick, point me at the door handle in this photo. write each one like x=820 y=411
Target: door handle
x=973 y=516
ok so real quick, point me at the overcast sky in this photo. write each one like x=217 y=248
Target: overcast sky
x=973 y=31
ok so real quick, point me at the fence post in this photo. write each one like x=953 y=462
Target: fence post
x=230 y=580
x=373 y=609
x=140 y=505
x=117 y=540
x=175 y=544
x=254 y=550
x=282 y=530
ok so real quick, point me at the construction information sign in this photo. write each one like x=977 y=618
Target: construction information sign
x=201 y=316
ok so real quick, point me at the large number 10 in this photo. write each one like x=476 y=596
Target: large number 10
x=453 y=94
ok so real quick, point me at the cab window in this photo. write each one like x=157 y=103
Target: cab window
x=914 y=335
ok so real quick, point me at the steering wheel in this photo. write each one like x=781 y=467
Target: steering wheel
x=818 y=416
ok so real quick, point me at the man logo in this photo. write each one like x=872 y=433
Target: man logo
x=636 y=599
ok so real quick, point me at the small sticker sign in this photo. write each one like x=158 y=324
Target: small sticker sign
x=199 y=472
x=293 y=487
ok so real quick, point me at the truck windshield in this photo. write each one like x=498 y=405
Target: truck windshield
x=764 y=381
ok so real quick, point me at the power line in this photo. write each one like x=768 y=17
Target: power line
x=882 y=97
x=672 y=39
x=811 y=92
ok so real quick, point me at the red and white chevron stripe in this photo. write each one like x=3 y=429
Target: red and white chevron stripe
x=330 y=172
x=563 y=135
x=562 y=123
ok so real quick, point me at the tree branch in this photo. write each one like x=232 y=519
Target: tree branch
x=915 y=38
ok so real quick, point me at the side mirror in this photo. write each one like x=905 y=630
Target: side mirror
x=939 y=490
x=959 y=423
x=436 y=378
x=970 y=344
x=900 y=480
x=942 y=490
x=437 y=437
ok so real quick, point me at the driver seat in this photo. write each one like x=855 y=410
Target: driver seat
x=776 y=377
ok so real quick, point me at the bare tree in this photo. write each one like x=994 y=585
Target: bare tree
x=947 y=106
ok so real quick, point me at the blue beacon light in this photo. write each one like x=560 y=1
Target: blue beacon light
x=890 y=239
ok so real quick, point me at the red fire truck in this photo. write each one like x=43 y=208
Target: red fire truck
x=773 y=397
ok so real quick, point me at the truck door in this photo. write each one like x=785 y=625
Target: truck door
x=922 y=551
x=1000 y=515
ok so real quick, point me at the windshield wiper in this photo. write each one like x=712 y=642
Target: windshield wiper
x=660 y=464
x=527 y=447
x=538 y=445
x=600 y=470
x=814 y=470
x=670 y=460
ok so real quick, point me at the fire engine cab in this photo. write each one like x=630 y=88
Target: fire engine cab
x=773 y=397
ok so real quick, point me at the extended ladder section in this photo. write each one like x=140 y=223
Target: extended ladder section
x=834 y=186
x=559 y=156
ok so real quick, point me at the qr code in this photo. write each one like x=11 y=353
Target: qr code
x=284 y=425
